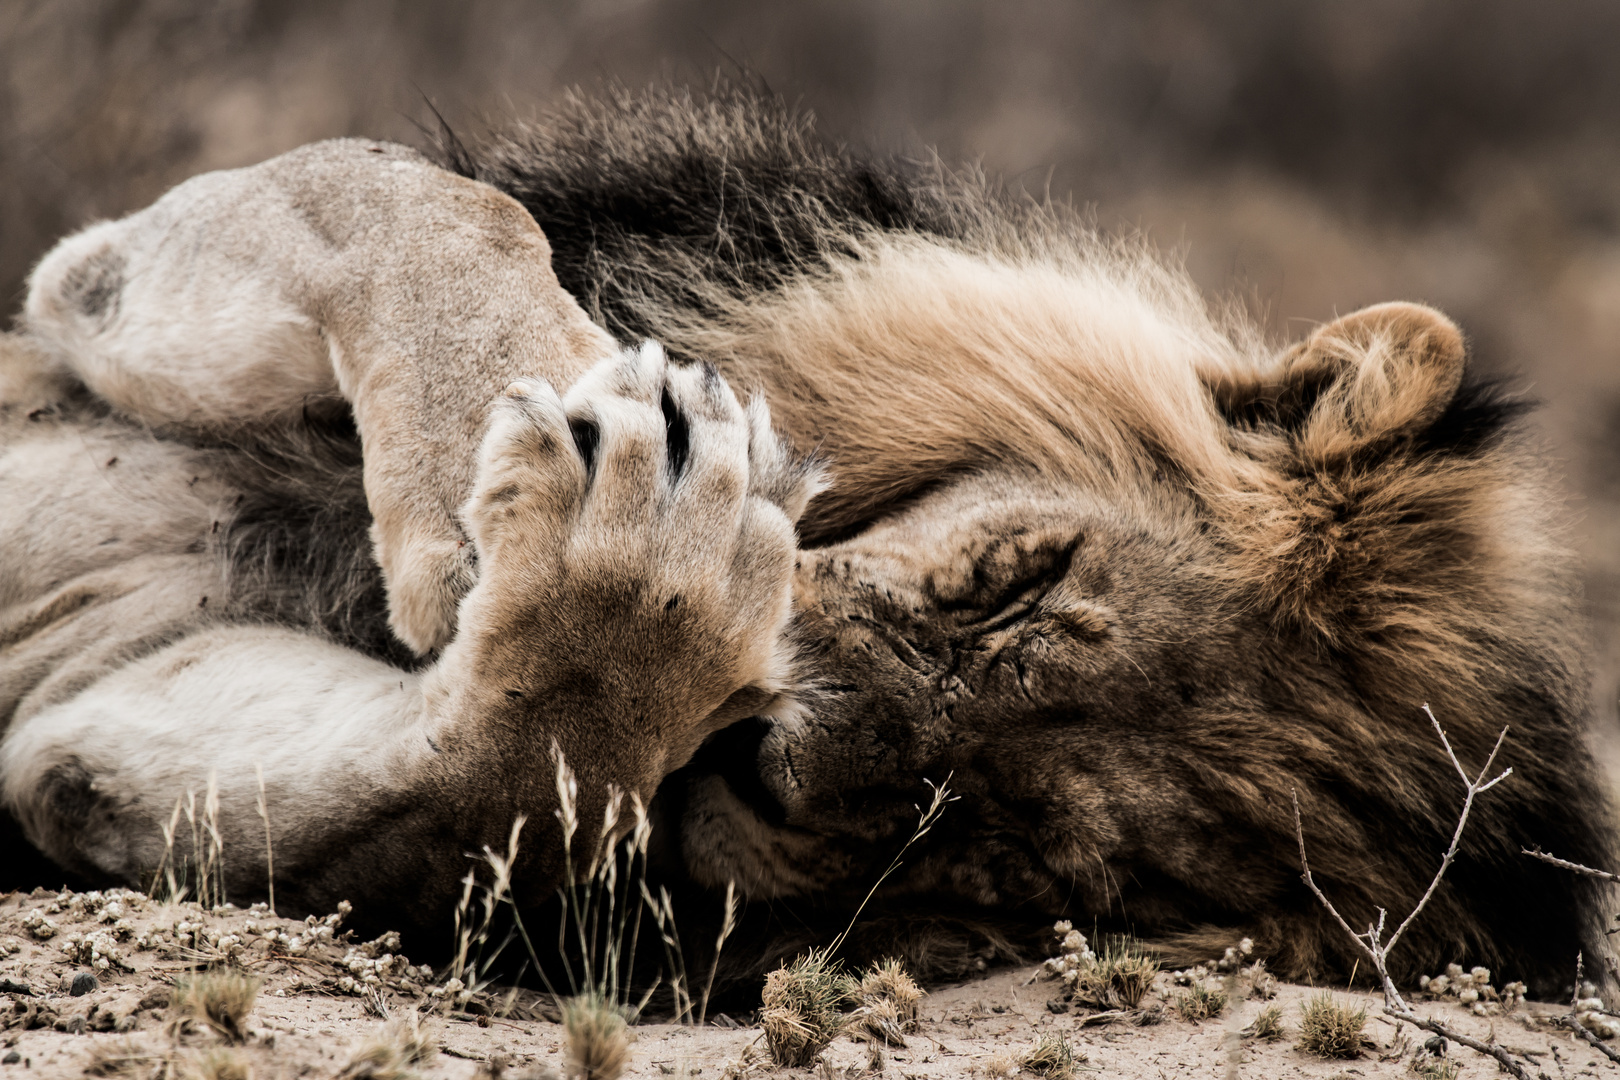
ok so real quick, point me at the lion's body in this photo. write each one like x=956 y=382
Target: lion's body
x=1128 y=576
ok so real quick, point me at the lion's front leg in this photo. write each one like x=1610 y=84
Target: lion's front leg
x=638 y=546
x=346 y=271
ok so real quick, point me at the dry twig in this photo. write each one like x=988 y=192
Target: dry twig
x=1537 y=853
x=1374 y=944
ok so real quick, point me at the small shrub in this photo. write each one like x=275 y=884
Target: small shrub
x=1052 y=1058
x=800 y=1007
x=1200 y=1003
x=597 y=1036
x=217 y=1000
x=1329 y=1029
x=1268 y=1025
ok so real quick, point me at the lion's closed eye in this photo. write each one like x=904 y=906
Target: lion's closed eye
x=1012 y=580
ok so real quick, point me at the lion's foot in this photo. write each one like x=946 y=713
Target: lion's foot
x=636 y=536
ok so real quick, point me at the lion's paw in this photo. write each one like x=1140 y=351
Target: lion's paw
x=650 y=500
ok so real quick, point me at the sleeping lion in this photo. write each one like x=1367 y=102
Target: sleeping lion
x=769 y=484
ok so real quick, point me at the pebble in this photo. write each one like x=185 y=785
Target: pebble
x=83 y=983
x=11 y=1059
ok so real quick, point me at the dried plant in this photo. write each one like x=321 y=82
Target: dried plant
x=888 y=980
x=1200 y=1003
x=1268 y=1025
x=394 y=1051
x=1377 y=947
x=925 y=822
x=202 y=873
x=598 y=1038
x=1122 y=975
x=217 y=1001
x=1435 y=1067
x=1329 y=1029
x=217 y=1063
x=800 y=1007
x=124 y=1058
x=728 y=923
x=269 y=849
x=1052 y=1058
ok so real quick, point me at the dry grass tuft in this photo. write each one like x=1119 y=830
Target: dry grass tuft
x=1329 y=1029
x=1430 y=1067
x=394 y=1052
x=598 y=1037
x=217 y=1000
x=1052 y=1058
x=1122 y=975
x=1200 y=1003
x=890 y=981
x=219 y=1063
x=123 y=1058
x=1268 y=1025
x=877 y=1022
x=800 y=1008
x=999 y=1066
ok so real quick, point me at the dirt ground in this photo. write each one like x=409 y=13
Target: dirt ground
x=325 y=1001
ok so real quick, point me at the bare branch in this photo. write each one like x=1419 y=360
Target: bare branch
x=1310 y=882
x=1537 y=853
x=1474 y=787
x=1372 y=942
x=1491 y=1050
x=1584 y=1032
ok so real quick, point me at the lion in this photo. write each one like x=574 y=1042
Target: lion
x=1010 y=506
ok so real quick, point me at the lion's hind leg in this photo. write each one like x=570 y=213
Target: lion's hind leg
x=334 y=735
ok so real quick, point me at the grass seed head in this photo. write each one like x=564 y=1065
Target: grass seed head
x=217 y=1000
x=598 y=1037
x=1329 y=1029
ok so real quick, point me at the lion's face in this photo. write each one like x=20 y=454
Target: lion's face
x=1012 y=635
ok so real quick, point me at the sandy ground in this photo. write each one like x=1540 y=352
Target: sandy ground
x=322 y=996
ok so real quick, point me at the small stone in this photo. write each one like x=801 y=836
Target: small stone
x=11 y=1058
x=83 y=983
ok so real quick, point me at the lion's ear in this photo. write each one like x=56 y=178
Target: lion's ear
x=1378 y=493
x=1382 y=373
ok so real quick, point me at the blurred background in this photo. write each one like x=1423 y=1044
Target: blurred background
x=1310 y=157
